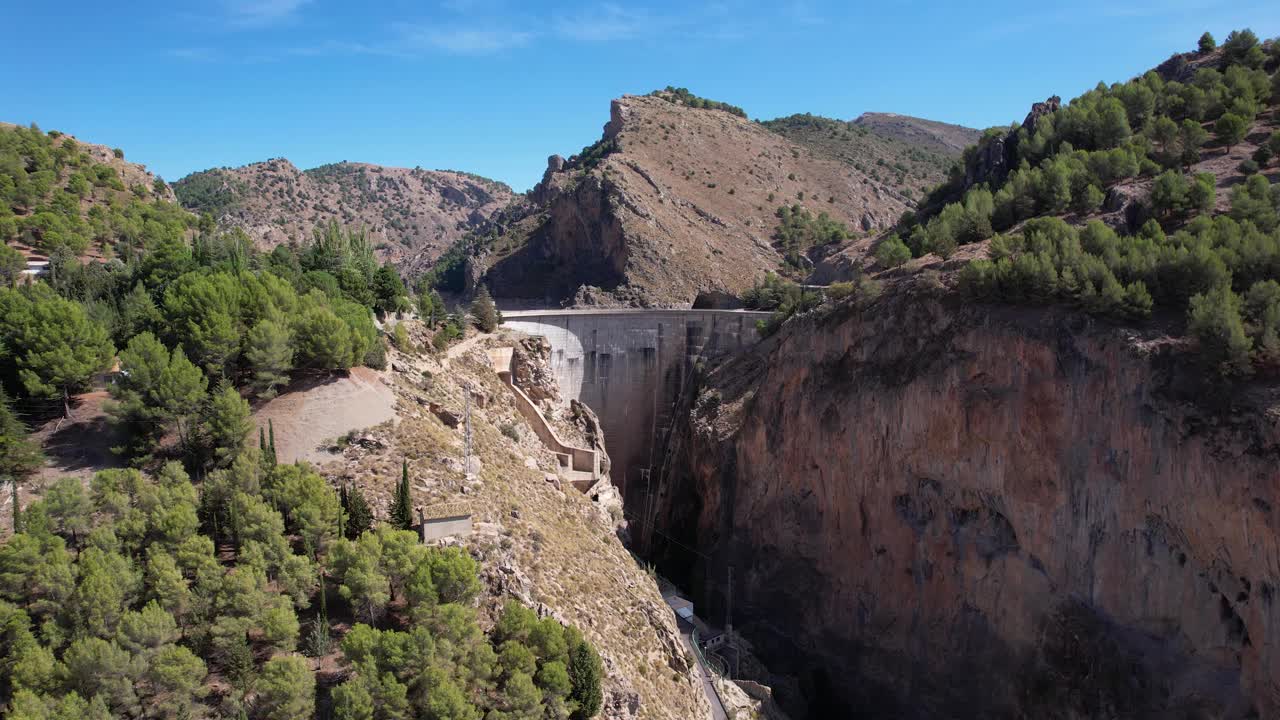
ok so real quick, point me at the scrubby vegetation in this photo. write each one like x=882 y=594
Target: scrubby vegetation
x=212 y=191
x=883 y=158
x=1221 y=270
x=799 y=230
x=786 y=298
x=55 y=198
x=682 y=96
x=145 y=597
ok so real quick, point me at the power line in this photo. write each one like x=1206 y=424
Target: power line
x=656 y=531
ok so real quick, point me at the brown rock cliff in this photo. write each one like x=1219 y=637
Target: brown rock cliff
x=942 y=511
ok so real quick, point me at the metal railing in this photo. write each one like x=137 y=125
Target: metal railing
x=710 y=659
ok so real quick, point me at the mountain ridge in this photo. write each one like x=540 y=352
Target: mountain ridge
x=678 y=198
x=411 y=214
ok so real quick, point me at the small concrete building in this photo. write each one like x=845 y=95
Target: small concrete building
x=445 y=520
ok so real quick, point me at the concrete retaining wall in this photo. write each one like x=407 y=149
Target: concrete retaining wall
x=446 y=527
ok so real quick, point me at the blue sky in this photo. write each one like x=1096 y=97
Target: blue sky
x=494 y=87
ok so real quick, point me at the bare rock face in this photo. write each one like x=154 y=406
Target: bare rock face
x=589 y=425
x=993 y=160
x=531 y=369
x=940 y=510
x=1039 y=110
x=671 y=202
x=1126 y=204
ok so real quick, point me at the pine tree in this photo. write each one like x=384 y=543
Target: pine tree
x=359 y=516
x=18 y=455
x=401 y=507
x=1230 y=129
x=269 y=352
x=485 y=312
x=585 y=670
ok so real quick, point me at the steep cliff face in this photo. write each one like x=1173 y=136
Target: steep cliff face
x=991 y=513
x=672 y=201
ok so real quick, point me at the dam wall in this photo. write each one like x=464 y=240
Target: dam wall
x=630 y=366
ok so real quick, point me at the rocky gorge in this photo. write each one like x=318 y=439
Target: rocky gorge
x=992 y=512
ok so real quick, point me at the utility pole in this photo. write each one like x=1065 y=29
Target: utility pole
x=466 y=438
x=647 y=512
x=728 y=623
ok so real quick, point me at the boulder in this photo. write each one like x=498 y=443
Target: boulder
x=448 y=417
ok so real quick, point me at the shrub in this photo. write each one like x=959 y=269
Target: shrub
x=892 y=252
x=1213 y=318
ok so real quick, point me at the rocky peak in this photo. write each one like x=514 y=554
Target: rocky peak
x=1039 y=110
x=673 y=200
x=993 y=159
x=618 y=114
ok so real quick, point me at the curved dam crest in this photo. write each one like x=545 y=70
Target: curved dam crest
x=631 y=366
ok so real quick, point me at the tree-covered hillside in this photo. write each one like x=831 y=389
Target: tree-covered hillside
x=145 y=597
x=1126 y=201
x=57 y=198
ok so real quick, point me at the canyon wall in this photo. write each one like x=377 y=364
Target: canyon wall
x=938 y=510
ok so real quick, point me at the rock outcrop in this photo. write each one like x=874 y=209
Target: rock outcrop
x=991 y=512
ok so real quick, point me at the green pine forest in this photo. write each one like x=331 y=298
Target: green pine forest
x=1215 y=263
x=148 y=594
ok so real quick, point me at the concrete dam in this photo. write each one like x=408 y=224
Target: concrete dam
x=632 y=366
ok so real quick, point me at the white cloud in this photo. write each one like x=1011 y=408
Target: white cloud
x=261 y=13
x=461 y=40
x=194 y=54
x=605 y=23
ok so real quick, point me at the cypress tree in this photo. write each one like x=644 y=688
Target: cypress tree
x=271 y=447
x=485 y=312
x=17 y=513
x=401 y=507
x=344 y=505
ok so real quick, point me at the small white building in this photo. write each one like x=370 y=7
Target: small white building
x=36 y=268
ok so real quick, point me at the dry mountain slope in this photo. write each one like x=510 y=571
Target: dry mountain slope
x=910 y=154
x=926 y=134
x=672 y=201
x=411 y=214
